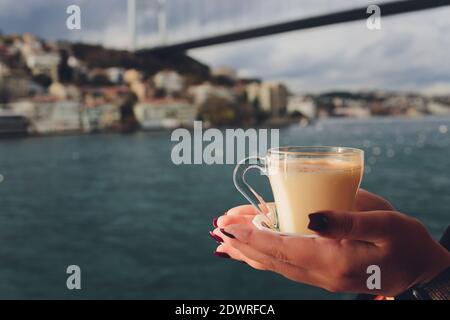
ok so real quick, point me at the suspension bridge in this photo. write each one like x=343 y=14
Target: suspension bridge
x=179 y=25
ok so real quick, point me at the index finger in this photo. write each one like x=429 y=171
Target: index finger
x=246 y=209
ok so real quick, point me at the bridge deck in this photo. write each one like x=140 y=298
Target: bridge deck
x=387 y=9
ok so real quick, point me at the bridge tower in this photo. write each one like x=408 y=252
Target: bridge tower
x=162 y=22
x=132 y=24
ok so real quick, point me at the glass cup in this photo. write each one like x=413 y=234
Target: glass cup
x=303 y=180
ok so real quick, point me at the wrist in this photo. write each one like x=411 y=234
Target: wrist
x=434 y=282
x=438 y=288
x=437 y=263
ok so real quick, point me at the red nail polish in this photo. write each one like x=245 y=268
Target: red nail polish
x=221 y=254
x=318 y=222
x=215 y=222
x=229 y=235
x=218 y=239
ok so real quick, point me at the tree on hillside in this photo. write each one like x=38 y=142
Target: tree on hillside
x=65 y=72
x=128 y=122
x=43 y=80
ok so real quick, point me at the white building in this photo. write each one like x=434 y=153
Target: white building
x=202 y=92
x=253 y=89
x=132 y=75
x=50 y=115
x=58 y=90
x=115 y=75
x=165 y=113
x=273 y=98
x=140 y=89
x=28 y=45
x=73 y=62
x=438 y=108
x=101 y=117
x=44 y=63
x=304 y=105
x=168 y=80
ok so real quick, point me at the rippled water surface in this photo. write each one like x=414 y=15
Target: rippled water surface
x=137 y=225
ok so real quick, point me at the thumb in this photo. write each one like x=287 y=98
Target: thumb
x=372 y=226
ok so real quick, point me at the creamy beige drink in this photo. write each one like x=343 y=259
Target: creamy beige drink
x=302 y=186
x=303 y=180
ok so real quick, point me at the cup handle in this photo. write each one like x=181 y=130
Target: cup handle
x=247 y=191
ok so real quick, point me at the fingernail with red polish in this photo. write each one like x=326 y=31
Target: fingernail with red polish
x=221 y=254
x=216 y=237
x=229 y=235
x=318 y=222
x=215 y=222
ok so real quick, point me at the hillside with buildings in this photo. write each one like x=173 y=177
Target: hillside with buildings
x=59 y=87
x=62 y=87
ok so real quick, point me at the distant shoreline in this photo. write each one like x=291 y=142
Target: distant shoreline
x=162 y=130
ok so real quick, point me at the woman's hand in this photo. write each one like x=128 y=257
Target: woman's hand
x=349 y=243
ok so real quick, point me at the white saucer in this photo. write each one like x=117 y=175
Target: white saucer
x=268 y=223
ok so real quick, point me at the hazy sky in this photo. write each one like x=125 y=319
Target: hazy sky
x=410 y=52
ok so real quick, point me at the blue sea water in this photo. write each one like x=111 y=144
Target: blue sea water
x=137 y=224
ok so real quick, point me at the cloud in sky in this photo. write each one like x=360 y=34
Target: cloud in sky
x=103 y=21
x=409 y=52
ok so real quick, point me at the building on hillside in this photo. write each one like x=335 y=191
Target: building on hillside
x=141 y=89
x=16 y=86
x=101 y=117
x=48 y=114
x=115 y=75
x=44 y=63
x=97 y=96
x=304 y=105
x=58 y=90
x=165 y=113
x=132 y=75
x=64 y=92
x=352 y=111
x=226 y=72
x=252 y=90
x=201 y=93
x=38 y=59
x=273 y=98
x=170 y=81
x=438 y=108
